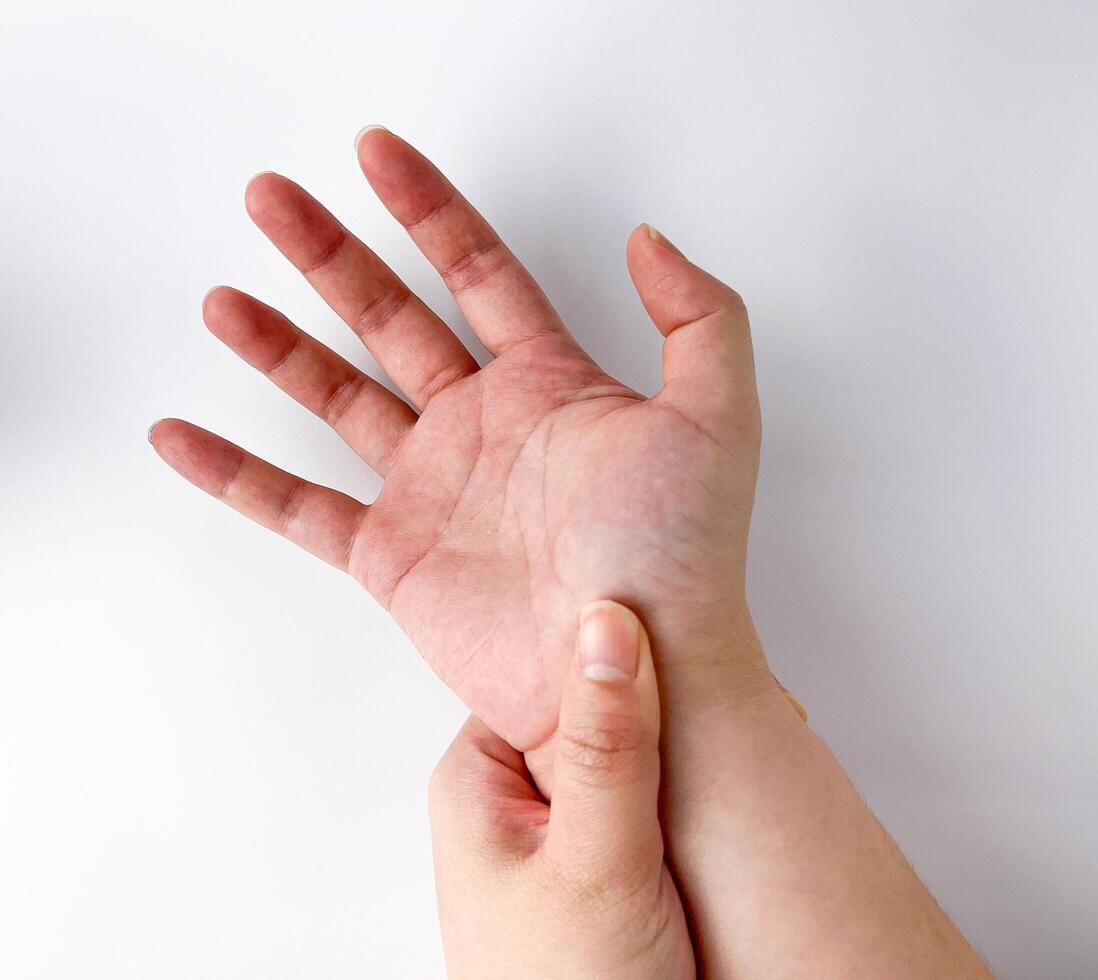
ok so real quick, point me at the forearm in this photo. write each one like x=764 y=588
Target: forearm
x=784 y=869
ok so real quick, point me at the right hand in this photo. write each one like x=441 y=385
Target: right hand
x=575 y=888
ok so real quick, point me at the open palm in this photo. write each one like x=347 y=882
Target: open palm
x=513 y=493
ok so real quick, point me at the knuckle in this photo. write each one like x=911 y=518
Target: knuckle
x=477 y=266
x=601 y=748
x=735 y=303
x=340 y=398
x=441 y=379
x=380 y=311
x=578 y=884
x=598 y=884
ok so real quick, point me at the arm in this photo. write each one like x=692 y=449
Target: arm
x=785 y=870
x=517 y=491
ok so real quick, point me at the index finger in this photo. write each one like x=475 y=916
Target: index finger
x=495 y=292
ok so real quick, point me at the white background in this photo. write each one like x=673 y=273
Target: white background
x=214 y=749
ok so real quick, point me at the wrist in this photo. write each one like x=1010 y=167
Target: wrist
x=713 y=670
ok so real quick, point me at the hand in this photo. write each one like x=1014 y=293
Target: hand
x=517 y=492
x=578 y=888
x=520 y=490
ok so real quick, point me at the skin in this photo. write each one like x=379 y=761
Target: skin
x=576 y=888
x=523 y=489
x=518 y=492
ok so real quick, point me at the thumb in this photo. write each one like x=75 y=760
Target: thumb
x=606 y=769
x=708 y=363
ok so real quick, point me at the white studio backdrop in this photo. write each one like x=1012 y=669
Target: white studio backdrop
x=214 y=749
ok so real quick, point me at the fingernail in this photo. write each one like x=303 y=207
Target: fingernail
x=608 y=645
x=660 y=240
x=255 y=177
x=151 y=427
x=362 y=132
x=797 y=706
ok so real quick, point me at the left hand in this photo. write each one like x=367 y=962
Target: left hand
x=518 y=491
x=578 y=888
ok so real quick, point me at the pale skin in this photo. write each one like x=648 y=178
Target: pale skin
x=577 y=888
x=517 y=492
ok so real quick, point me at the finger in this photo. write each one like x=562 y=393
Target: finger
x=481 y=792
x=371 y=419
x=414 y=347
x=708 y=364
x=322 y=521
x=603 y=818
x=496 y=294
x=486 y=818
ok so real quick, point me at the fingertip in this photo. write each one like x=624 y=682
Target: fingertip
x=216 y=301
x=230 y=316
x=658 y=240
x=408 y=184
x=163 y=432
x=362 y=134
x=608 y=642
x=168 y=426
x=378 y=149
x=637 y=242
x=646 y=238
x=611 y=669
x=257 y=190
x=638 y=235
x=201 y=457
